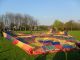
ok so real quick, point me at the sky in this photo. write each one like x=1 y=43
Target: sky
x=45 y=11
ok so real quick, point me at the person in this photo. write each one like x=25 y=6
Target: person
x=66 y=32
x=52 y=31
x=78 y=44
x=1 y=32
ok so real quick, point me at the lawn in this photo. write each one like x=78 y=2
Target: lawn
x=32 y=32
x=9 y=51
x=75 y=34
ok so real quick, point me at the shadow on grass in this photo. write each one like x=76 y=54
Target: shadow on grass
x=72 y=55
x=41 y=57
x=59 y=56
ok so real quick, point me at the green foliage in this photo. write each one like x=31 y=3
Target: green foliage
x=58 y=24
x=71 y=25
x=43 y=27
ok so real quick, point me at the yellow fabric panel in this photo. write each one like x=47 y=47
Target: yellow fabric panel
x=4 y=34
x=61 y=32
x=62 y=41
x=26 y=47
x=20 y=44
x=70 y=43
x=38 y=44
x=24 y=36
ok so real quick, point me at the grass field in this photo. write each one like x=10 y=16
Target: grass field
x=75 y=34
x=9 y=51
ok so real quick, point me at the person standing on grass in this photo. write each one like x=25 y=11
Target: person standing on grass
x=52 y=30
x=1 y=32
x=65 y=32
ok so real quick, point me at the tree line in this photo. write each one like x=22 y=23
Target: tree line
x=70 y=25
x=17 y=21
x=20 y=22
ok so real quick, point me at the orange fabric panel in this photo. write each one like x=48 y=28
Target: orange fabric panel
x=58 y=46
x=27 y=49
x=38 y=51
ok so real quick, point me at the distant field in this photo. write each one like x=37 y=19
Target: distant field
x=31 y=32
x=9 y=51
x=75 y=34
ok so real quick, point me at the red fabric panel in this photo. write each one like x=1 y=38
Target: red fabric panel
x=58 y=46
x=66 y=49
x=15 y=42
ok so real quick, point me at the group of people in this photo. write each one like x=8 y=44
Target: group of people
x=53 y=31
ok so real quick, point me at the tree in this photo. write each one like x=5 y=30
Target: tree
x=58 y=24
x=18 y=21
x=71 y=25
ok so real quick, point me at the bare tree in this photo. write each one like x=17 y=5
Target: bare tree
x=18 y=21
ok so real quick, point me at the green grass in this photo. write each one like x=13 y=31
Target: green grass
x=8 y=51
x=75 y=34
x=31 y=32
